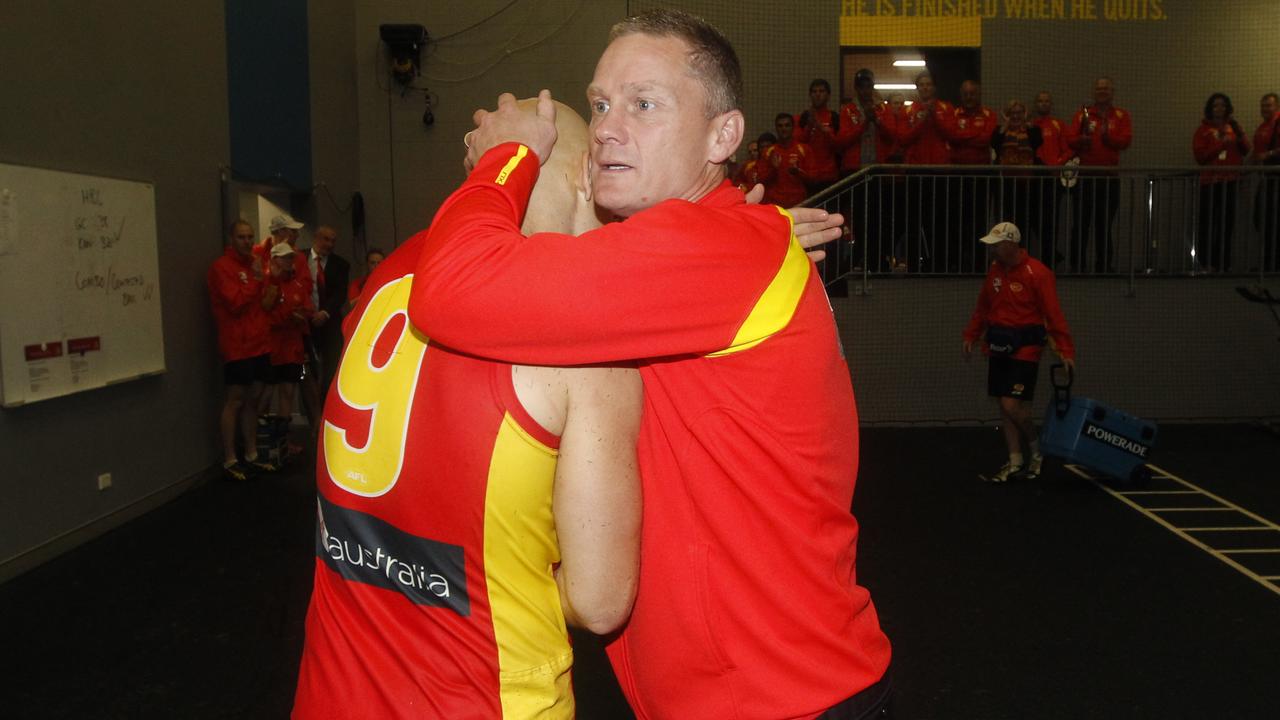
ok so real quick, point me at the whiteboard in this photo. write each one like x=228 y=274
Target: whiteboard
x=79 y=283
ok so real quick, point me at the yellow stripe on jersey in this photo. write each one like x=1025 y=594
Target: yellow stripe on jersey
x=511 y=165
x=520 y=548
x=778 y=303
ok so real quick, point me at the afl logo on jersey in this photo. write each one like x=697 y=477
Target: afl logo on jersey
x=1015 y=286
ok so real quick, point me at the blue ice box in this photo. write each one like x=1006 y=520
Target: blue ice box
x=1086 y=432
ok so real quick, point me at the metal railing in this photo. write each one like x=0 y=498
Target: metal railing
x=926 y=220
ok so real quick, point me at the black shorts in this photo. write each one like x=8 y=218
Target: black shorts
x=287 y=373
x=248 y=371
x=1007 y=377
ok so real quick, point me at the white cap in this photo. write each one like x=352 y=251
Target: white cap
x=1003 y=232
x=284 y=221
x=281 y=249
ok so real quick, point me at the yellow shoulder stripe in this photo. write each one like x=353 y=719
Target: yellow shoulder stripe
x=778 y=303
x=511 y=165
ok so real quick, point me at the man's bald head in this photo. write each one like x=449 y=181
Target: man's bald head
x=560 y=202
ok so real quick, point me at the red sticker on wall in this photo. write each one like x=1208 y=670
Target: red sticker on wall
x=43 y=352
x=84 y=344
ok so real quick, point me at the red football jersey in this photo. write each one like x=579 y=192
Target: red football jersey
x=434 y=594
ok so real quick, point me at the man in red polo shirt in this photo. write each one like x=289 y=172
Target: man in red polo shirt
x=1098 y=134
x=1266 y=151
x=236 y=288
x=1054 y=152
x=817 y=127
x=968 y=129
x=923 y=143
x=749 y=605
x=1017 y=313
x=868 y=136
x=786 y=166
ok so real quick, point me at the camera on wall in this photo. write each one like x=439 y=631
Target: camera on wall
x=404 y=43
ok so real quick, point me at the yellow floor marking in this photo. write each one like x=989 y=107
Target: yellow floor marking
x=1265 y=581
x=1228 y=528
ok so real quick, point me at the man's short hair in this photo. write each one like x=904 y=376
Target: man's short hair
x=783 y=115
x=922 y=75
x=231 y=229
x=767 y=137
x=712 y=60
x=1273 y=96
x=819 y=82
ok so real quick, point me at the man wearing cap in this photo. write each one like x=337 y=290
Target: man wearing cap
x=284 y=229
x=287 y=301
x=1017 y=313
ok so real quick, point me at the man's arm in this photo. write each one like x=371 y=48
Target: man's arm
x=597 y=497
x=978 y=321
x=676 y=279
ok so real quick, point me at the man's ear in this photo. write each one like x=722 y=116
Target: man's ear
x=728 y=129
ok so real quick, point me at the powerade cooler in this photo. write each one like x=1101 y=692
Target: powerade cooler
x=1103 y=439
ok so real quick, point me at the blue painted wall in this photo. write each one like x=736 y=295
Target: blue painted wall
x=269 y=90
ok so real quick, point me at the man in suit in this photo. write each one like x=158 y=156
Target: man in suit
x=330 y=276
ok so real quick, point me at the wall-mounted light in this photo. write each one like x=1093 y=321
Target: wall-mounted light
x=895 y=86
x=404 y=44
x=908 y=63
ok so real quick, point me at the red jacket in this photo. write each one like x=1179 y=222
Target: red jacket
x=236 y=297
x=921 y=133
x=818 y=131
x=1053 y=149
x=853 y=125
x=287 y=328
x=781 y=185
x=1112 y=132
x=747 y=466
x=1025 y=294
x=968 y=132
x=301 y=271
x=1267 y=139
x=1217 y=147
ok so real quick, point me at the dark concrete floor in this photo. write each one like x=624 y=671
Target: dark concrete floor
x=1048 y=599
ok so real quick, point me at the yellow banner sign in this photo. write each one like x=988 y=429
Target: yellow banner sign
x=1083 y=10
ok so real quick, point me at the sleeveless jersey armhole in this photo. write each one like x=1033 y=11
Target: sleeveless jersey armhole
x=504 y=393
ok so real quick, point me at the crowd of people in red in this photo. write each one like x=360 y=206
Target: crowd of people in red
x=811 y=150
x=278 y=312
